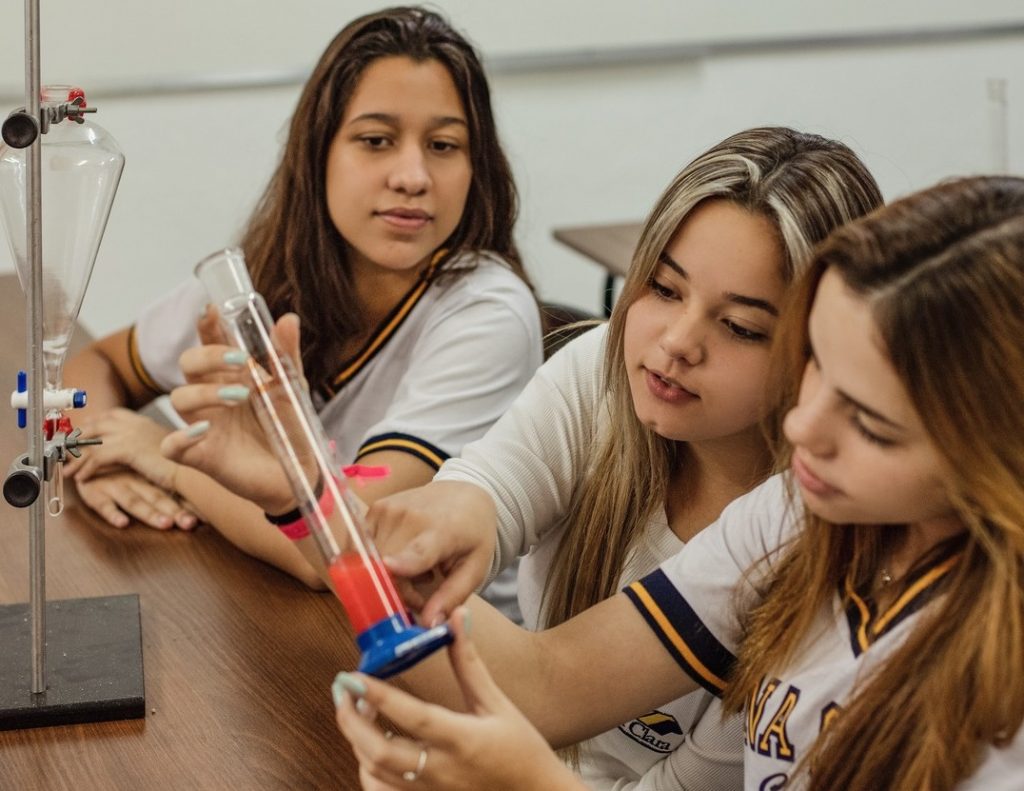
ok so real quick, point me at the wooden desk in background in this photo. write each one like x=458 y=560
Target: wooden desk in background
x=238 y=657
x=610 y=245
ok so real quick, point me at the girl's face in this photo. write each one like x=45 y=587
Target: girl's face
x=398 y=170
x=861 y=454
x=696 y=343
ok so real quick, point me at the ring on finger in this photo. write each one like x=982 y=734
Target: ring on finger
x=411 y=775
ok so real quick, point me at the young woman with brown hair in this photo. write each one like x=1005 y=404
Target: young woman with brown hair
x=387 y=228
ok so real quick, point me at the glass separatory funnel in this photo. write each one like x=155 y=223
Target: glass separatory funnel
x=390 y=642
x=81 y=168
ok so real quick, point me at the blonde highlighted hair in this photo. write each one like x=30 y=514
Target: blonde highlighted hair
x=806 y=185
x=943 y=275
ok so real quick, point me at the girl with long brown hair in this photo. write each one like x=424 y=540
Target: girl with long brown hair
x=387 y=229
x=864 y=610
x=672 y=390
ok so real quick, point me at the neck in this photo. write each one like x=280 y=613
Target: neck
x=380 y=289
x=919 y=539
x=709 y=477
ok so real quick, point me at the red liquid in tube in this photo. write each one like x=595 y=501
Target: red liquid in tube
x=365 y=589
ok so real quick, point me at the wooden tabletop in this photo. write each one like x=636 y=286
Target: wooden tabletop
x=238 y=657
x=610 y=245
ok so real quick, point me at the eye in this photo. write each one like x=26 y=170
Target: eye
x=870 y=435
x=443 y=146
x=660 y=290
x=743 y=333
x=375 y=142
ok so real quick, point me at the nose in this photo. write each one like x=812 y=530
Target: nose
x=810 y=424
x=684 y=338
x=409 y=174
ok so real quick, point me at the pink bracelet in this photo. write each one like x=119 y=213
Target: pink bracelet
x=293 y=524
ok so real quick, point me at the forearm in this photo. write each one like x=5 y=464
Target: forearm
x=242 y=523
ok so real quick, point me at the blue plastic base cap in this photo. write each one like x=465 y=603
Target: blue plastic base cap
x=390 y=646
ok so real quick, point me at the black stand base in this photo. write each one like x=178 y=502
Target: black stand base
x=93 y=663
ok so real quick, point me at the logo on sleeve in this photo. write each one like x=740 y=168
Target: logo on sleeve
x=656 y=731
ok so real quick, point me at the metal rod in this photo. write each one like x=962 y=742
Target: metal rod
x=34 y=294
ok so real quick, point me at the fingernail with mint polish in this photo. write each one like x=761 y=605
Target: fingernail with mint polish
x=198 y=428
x=338 y=693
x=235 y=356
x=233 y=393
x=350 y=684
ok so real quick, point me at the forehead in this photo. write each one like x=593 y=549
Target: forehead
x=404 y=88
x=852 y=355
x=730 y=249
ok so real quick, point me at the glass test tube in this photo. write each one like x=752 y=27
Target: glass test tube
x=390 y=642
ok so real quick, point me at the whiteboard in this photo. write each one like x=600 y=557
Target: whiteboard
x=114 y=42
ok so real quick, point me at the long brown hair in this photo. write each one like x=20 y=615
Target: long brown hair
x=943 y=274
x=806 y=186
x=298 y=260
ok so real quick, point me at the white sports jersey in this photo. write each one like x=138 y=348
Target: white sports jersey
x=531 y=462
x=693 y=603
x=438 y=371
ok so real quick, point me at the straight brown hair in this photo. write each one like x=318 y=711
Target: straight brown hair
x=943 y=274
x=298 y=260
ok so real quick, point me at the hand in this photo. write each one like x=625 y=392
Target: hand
x=121 y=496
x=493 y=746
x=445 y=527
x=225 y=440
x=130 y=441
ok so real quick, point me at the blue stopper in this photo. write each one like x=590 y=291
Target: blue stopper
x=391 y=646
x=22 y=387
x=78 y=399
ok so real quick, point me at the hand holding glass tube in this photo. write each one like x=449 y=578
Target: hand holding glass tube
x=327 y=511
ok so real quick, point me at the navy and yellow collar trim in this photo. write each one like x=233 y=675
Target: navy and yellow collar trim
x=867 y=625
x=404 y=443
x=385 y=330
x=135 y=360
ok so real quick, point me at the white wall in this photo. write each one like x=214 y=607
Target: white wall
x=587 y=144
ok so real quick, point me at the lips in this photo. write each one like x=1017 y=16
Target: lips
x=667 y=389
x=809 y=481
x=404 y=218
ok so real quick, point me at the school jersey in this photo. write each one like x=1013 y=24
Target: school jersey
x=438 y=371
x=694 y=603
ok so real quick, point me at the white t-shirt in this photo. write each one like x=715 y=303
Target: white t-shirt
x=438 y=372
x=694 y=603
x=530 y=462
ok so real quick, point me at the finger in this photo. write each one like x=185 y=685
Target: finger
x=191 y=398
x=287 y=335
x=456 y=587
x=97 y=500
x=216 y=362
x=425 y=722
x=480 y=691
x=382 y=755
x=209 y=328
x=139 y=499
x=176 y=445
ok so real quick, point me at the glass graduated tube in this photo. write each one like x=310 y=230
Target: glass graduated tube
x=388 y=639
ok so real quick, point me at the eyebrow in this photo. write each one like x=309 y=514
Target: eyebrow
x=393 y=120
x=860 y=406
x=739 y=299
